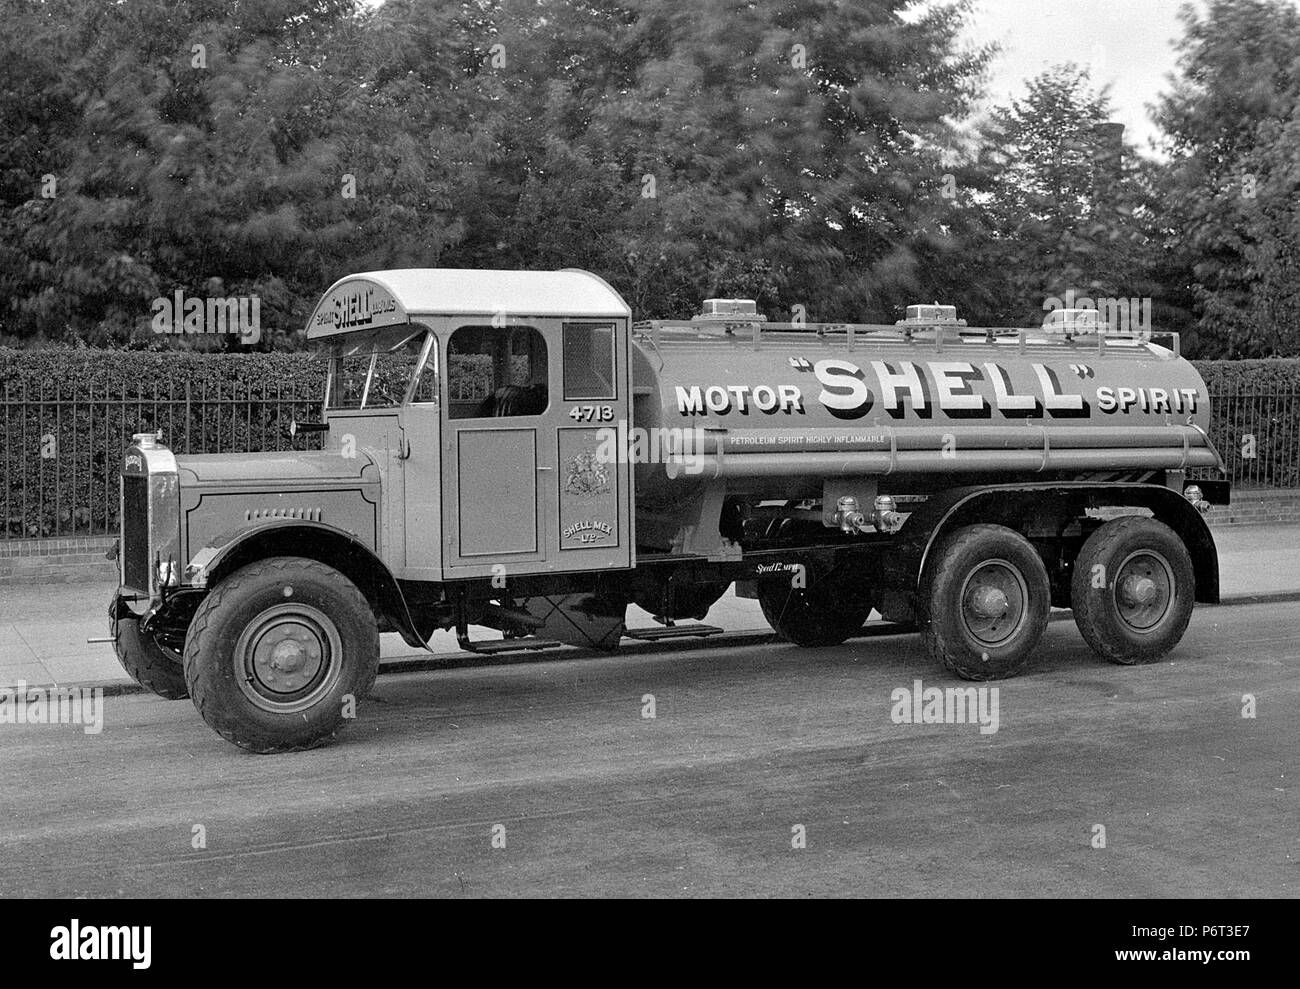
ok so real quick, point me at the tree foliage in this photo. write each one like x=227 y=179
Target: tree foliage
x=823 y=155
x=1233 y=126
x=785 y=149
x=1064 y=205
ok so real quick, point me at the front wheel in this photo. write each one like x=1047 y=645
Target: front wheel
x=280 y=653
x=1133 y=590
x=986 y=604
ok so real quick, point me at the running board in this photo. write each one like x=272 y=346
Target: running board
x=672 y=632
x=491 y=647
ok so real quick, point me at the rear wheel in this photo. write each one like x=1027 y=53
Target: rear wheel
x=280 y=654
x=150 y=664
x=986 y=603
x=821 y=615
x=1133 y=590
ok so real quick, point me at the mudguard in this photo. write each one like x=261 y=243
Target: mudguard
x=313 y=540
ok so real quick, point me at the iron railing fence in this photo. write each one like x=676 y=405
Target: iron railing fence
x=1258 y=435
x=60 y=456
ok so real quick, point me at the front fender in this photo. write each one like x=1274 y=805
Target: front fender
x=316 y=541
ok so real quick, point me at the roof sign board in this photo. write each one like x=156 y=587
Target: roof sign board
x=355 y=304
x=381 y=298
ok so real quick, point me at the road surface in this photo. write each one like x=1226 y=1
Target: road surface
x=752 y=751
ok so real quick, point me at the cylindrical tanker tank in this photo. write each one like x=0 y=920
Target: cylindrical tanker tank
x=800 y=403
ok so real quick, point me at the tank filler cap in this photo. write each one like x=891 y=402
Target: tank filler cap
x=729 y=311
x=1072 y=321
x=931 y=314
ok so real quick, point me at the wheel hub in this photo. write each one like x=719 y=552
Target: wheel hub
x=1144 y=590
x=989 y=602
x=288 y=655
x=1139 y=590
x=994 y=602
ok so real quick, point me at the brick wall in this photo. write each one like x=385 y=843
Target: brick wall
x=56 y=561
x=51 y=561
x=1262 y=505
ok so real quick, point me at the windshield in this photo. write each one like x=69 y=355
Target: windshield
x=377 y=370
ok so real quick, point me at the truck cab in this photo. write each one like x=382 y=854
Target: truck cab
x=479 y=398
x=459 y=434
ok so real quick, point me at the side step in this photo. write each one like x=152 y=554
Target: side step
x=490 y=647
x=672 y=632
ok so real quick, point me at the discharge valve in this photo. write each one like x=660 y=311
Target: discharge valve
x=883 y=518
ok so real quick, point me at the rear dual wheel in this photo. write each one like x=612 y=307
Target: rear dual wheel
x=985 y=603
x=1133 y=590
x=988 y=596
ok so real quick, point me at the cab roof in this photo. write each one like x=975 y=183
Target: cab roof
x=383 y=298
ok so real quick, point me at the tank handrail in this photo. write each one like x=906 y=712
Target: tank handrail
x=650 y=336
x=908 y=332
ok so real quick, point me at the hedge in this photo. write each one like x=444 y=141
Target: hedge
x=1275 y=374
x=74 y=373
x=65 y=416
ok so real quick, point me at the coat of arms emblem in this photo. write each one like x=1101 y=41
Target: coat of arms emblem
x=586 y=477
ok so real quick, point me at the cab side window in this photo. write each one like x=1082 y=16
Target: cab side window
x=589 y=361
x=496 y=371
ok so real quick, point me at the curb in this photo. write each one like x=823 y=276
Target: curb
x=740 y=637
x=1266 y=597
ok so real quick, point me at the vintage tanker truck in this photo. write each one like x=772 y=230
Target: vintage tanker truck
x=508 y=450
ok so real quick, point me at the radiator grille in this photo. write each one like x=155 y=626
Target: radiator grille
x=135 y=532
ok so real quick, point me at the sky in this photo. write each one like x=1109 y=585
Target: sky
x=1127 y=44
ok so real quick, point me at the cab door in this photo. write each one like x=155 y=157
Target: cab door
x=593 y=447
x=535 y=465
x=500 y=405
